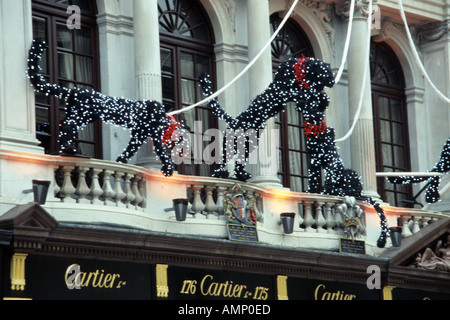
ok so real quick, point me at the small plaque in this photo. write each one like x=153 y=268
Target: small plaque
x=242 y=233
x=352 y=246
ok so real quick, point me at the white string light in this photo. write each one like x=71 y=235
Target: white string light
x=416 y=55
x=366 y=67
x=216 y=94
x=347 y=43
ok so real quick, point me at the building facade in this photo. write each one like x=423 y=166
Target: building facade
x=104 y=221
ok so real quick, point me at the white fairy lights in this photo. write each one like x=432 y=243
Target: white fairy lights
x=432 y=194
x=302 y=81
x=299 y=80
x=145 y=119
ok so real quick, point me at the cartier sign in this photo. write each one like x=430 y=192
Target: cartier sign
x=73 y=278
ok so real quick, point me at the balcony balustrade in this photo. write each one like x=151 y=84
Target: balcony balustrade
x=97 y=191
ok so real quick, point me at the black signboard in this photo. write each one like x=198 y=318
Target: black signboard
x=202 y=284
x=72 y=278
x=312 y=289
x=409 y=294
x=242 y=233
x=352 y=246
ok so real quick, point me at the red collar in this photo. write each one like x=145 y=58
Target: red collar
x=314 y=129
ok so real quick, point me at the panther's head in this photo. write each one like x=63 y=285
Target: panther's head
x=301 y=76
x=312 y=73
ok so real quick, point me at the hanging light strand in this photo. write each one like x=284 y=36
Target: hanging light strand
x=347 y=43
x=416 y=55
x=217 y=93
x=366 y=68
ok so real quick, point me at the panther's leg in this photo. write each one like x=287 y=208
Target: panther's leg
x=222 y=172
x=314 y=177
x=243 y=156
x=133 y=146
x=167 y=165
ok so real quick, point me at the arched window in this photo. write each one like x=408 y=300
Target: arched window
x=187 y=51
x=293 y=157
x=390 y=122
x=71 y=60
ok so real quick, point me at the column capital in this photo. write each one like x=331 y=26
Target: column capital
x=361 y=8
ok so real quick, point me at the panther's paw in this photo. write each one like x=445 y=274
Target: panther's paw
x=221 y=173
x=242 y=175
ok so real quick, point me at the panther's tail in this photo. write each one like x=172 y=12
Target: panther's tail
x=432 y=194
x=34 y=72
x=381 y=242
x=217 y=110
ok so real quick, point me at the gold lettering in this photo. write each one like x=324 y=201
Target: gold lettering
x=225 y=289
x=203 y=283
x=321 y=294
x=96 y=279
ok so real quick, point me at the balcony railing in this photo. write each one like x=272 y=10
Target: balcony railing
x=97 y=191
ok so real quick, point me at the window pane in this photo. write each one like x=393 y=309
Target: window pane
x=295 y=163
x=84 y=69
x=385 y=129
x=65 y=66
x=188 y=91
x=187 y=65
x=42 y=119
x=39 y=25
x=294 y=134
x=39 y=32
x=399 y=157
x=387 y=155
x=203 y=65
x=384 y=107
x=397 y=133
x=64 y=37
x=167 y=86
x=296 y=184
x=293 y=116
x=83 y=41
x=166 y=60
x=396 y=110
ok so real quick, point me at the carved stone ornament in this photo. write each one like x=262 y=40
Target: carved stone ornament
x=353 y=218
x=361 y=8
x=240 y=207
x=437 y=259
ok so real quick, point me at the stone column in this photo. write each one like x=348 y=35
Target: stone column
x=362 y=140
x=147 y=66
x=17 y=108
x=260 y=76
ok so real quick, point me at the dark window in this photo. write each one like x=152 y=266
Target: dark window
x=71 y=61
x=187 y=51
x=390 y=122
x=293 y=157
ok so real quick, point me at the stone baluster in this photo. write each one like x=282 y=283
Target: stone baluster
x=197 y=205
x=320 y=220
x=416 y=226
x=142 y=192
x=338 y=218
x=308 y=219
x=82 y=187
x=96 y=191
x=67 y=189
x=330 y=222
x=108 y=192
x=119 y=194
x=406 y=232
x=210 y=205
x=129 y=196
x=299 y=217
x=135 y=189
x=220 y=196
